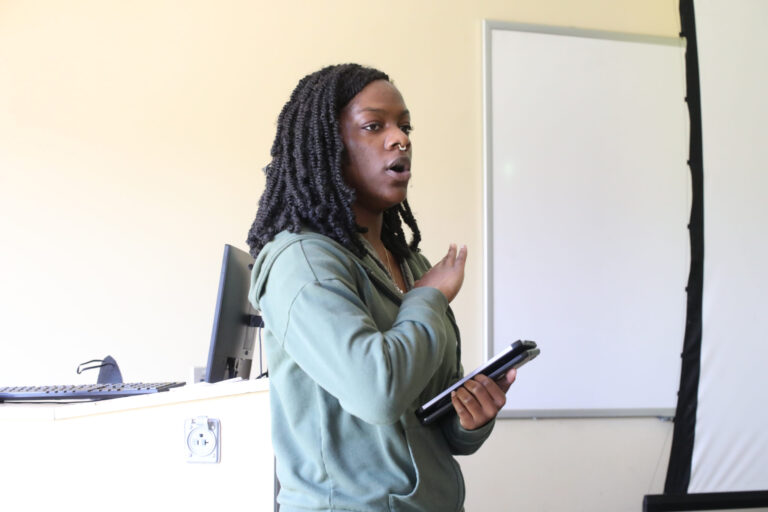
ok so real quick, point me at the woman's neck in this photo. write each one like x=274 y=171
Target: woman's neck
x=373 y=223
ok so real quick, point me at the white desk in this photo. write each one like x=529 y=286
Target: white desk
x=130 y=453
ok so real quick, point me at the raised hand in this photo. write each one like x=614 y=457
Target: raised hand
x=448 y=274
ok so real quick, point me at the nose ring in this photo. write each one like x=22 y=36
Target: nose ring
x=401 y=147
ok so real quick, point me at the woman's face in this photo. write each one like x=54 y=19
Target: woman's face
x=374 y=125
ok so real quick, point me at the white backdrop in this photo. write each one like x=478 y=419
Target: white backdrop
x=587 y=203
x=731 y=438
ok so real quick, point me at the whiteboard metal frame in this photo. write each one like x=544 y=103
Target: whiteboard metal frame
x=488 y=27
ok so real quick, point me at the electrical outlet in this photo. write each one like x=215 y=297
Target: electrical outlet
x=197 y=374
x=203 y=439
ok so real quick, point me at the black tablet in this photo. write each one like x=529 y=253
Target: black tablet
x=516 y=355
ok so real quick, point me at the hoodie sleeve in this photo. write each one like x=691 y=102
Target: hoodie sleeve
x=461 y=440
x=320 y=306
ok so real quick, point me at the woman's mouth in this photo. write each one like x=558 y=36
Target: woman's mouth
x=400 y=165
x=400 y=168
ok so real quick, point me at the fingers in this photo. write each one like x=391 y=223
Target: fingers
x=505 y=382
x=494 y=389
x=465 y=418
x=448 y=274
x=450 y=258
x=455 y=257
x=474 y=411
x=481 y=399
x=461 y=257
x=478 y=402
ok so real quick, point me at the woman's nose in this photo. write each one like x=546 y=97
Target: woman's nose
x=398 y=140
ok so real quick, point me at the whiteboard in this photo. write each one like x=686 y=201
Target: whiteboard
x=587 y=202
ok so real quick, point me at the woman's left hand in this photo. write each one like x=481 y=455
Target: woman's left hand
x=480 y=399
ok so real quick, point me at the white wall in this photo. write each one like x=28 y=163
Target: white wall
x=132 y=135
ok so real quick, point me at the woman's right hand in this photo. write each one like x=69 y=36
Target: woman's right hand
x=448 y=274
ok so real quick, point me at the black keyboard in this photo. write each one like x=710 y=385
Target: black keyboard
x=83 y=391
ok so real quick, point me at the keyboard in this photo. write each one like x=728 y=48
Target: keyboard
x=83 y=391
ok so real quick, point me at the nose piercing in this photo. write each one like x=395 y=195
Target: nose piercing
x=401 y=147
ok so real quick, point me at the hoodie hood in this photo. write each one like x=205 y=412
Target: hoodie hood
x=267 y=258
x=271 y=251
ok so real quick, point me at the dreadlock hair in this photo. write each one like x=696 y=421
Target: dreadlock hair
x=304 y=181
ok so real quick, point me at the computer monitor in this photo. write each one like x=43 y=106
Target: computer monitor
x=235 y=322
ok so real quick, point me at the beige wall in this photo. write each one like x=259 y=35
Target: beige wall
x=132 y=135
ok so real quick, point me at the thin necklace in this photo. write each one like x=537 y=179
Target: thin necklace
x=389 y=269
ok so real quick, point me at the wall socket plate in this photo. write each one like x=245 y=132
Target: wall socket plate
x=197 y=374
x=202 y=436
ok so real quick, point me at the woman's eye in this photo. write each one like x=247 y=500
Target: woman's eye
x=372 y=127
x=407 y=129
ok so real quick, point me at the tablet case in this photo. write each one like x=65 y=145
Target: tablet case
x=514 y=356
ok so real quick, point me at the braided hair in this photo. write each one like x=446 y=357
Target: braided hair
x=304 y=181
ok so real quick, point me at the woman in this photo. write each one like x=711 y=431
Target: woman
x=358 y=331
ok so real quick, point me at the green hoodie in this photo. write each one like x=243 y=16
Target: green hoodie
x=350 y=359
